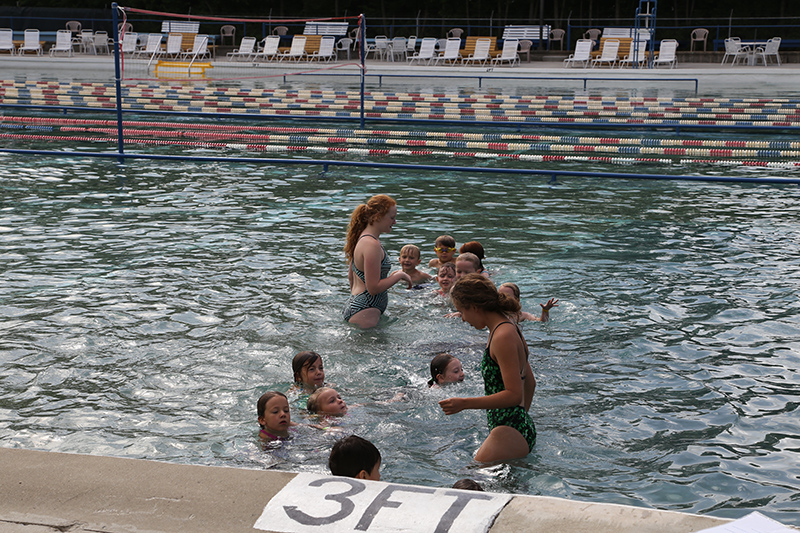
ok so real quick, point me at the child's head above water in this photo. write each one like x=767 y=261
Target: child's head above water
x=446 y=276
x=410 y=256
x=355 y=457
x=511 y=289
x=326 y=401
x=476 y=248
x=445 y=368
x=467 y=263
x=273 y=415
x=308 y=371
x=445 y=248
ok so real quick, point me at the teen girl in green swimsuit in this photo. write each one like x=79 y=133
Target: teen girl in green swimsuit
x=507 y=375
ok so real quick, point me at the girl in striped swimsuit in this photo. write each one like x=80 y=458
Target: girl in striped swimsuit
x=369 y=266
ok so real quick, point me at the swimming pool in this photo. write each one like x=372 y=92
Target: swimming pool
x=146 y=306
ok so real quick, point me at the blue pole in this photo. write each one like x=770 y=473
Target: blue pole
x=118 y=76
x=362 y=38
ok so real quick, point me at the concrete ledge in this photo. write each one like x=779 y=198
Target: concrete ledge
x=48 y=492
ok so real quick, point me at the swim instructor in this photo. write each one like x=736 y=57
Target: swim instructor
x=368 y=264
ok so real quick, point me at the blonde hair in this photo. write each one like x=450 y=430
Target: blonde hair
x=514 y=288
x=313 y=401
x=476 y=291
x=411 y=247
x=472 y=258
x=364 y=215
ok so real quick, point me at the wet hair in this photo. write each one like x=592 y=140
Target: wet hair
x=476 y=248
x=362 y=216
x=301 y=361
x=447 y=240
x=472 y=258
x=350 y=455
x=312 y=405
x=467 y=484
x=476 y=291
x=447 y=266
x=261 y=406
x=439 y=366
x=514 y=288
x=411 y=247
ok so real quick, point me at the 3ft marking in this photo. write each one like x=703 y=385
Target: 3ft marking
x=312 y=504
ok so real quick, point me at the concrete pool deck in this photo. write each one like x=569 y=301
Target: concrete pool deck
x=48 y=492
x=711 y=76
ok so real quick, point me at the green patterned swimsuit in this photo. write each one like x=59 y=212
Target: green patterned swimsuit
x=516 y=417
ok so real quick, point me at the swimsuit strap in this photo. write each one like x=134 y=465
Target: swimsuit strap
x=268 y=434
x=368 y=235
x=525 y=344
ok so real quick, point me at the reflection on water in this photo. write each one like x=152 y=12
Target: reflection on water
x=144 y=308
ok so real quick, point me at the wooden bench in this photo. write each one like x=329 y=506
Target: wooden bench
x=526 y=32
x=312 y=45
x=326 y=28
x=469 y=46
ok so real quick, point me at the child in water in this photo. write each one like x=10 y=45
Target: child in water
x=467 y=263
x=445 y=368
x=446 y=277
x=512 y=290
x=445 y=248
x=273 y=416
x=355 y=457
x=309 y=374
x=326 y=401
x=410 y=259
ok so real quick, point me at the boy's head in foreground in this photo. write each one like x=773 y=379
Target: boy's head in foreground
x=355 y=457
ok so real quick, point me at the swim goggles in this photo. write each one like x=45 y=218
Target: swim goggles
x=445 y=249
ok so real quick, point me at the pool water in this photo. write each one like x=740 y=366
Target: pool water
x=145 y=307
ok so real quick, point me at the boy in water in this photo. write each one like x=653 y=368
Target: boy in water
x=410 y=259
x=355 y=457
x=445 y=248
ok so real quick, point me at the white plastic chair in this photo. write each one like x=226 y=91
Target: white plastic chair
x=74 y=27
x=343 y=45
x=768 y=50
x=246 y=49
x=593 y=35
x=481 y=53
x=269 y=50
x=7 y=41
x=608 y=54
x=509 y=53
x=227 y=30
x=427 y=50
x=636 y=54
x=451 y=52
x=411 y=45
x=31 y=43
x=85 y=41
x=298 y=49
x=582 y=54
x=666 y=53
x=63 y=43
x=379 y=48
x=326 y=51
x=397 y=48
x=734 y=50
x=557 y=36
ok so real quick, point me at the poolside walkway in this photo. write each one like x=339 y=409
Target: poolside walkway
x=46 y=492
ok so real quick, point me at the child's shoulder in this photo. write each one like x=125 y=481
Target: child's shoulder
x=434 y=263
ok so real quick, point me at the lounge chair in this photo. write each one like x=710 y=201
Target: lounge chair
x=152 y=47
x=199 y=48
x=101 y=42
x=63 y=43
x=608 y=54
x=768 y=50
x=7 y=41
x=174 y=42
x=450 y=53
x=398 y=48
x=298 y=49
x=246 y=50
x=427 y=49
x=583 y=53
x=269 y=48
x=509 y=53
x=637 y=54
x=129 y=43
x=666 y=54
x=326 y=51
x=481 y=53
x=31 y=43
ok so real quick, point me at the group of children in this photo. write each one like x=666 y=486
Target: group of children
x=354 y=456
